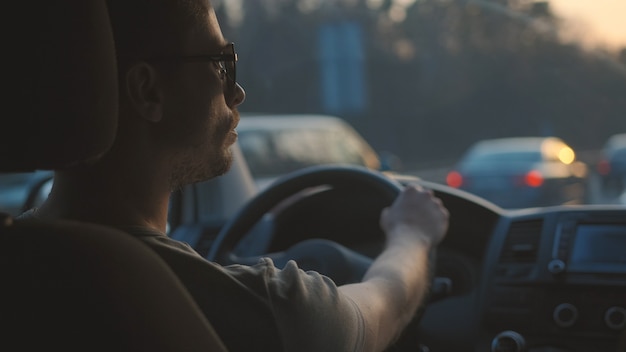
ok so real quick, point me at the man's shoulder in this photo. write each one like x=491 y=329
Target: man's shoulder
x=157 y=238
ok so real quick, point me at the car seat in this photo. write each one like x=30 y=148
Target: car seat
x=67 y=285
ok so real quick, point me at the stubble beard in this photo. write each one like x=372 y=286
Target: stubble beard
x=191 y=170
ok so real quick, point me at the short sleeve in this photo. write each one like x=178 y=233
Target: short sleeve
x=311 y=313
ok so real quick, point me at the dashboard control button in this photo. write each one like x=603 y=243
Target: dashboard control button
x=508 y=341
x=565 y=315
x=615 y=318
x=556 y=266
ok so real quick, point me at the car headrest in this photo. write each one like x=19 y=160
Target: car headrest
x=61 y=109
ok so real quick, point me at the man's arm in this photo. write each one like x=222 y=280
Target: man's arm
x=396 y=283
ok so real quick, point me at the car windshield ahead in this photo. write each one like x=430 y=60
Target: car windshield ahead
x=426 y=79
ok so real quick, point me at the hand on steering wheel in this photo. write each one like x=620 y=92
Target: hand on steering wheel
x=327 y=257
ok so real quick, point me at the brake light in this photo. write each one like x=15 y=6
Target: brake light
x=533 y=178
x=604 y=167
x=454 y=179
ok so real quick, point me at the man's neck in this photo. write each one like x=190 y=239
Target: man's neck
x=115 y=199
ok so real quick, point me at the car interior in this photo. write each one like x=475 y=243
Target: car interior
x=536 y=279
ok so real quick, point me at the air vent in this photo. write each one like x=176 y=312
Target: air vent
x=522 y=242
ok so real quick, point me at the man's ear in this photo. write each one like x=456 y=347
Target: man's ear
x=145 y=93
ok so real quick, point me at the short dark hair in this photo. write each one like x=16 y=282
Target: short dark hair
x=145 y=28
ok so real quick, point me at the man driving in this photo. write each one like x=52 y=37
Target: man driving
x=177 y=120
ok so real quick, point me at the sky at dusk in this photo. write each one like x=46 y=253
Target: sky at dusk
x=594 y=21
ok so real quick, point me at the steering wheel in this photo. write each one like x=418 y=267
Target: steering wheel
x=326 y=257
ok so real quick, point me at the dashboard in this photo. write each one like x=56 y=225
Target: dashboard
x=535 y=280
x=555 y=277
x=551 y=279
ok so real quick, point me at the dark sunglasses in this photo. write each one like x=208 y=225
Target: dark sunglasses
x=226 y=61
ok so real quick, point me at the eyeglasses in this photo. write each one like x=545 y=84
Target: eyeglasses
x=226 y=62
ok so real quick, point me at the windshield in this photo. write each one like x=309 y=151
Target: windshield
x=426 y=79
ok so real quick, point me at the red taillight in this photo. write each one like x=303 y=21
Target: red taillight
x=533 y=178
x=454 y=179
x=604 y=167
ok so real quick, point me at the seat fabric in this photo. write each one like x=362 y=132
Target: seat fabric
x=82 y=287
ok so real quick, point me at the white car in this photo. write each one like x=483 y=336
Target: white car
x=274 y=145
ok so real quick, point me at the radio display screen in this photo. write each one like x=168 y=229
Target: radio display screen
x=598 y=249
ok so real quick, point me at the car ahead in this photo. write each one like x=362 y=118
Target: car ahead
x=612 y=166
x=522 y=172
x=276 y=144
x=426 y=78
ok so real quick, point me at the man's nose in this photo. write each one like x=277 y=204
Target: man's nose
x=239 y=96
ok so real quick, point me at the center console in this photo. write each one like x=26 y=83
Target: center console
x=556 y=282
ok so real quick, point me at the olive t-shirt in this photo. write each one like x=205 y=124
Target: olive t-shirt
x=261 y=307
